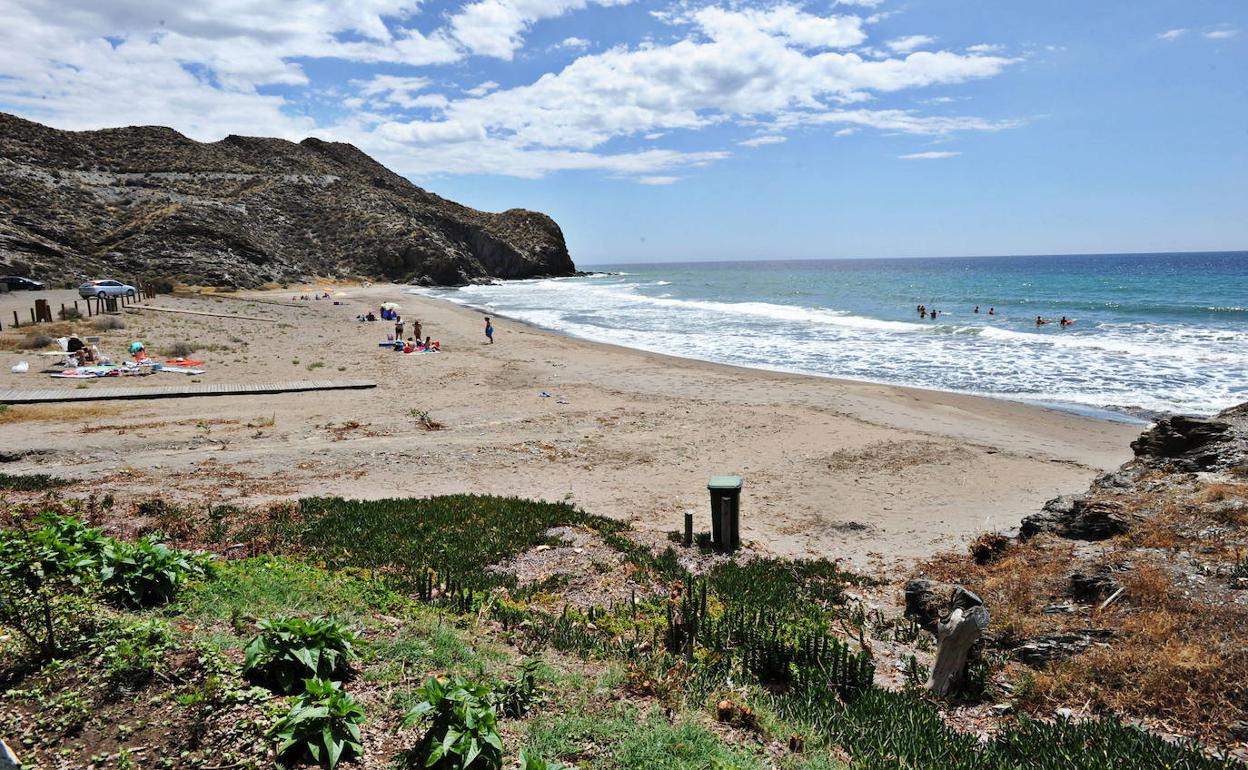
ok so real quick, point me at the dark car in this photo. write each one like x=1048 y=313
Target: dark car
x=18 y=283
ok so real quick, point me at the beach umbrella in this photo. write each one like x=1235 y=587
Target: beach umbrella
x=391 y=305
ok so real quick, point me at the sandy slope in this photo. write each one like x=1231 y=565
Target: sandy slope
x=866 y=472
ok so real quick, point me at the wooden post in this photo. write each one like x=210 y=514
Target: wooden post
x=688 y=529
x=32 y=315
x=955 y=635
x=16 y=324
x=76 y=310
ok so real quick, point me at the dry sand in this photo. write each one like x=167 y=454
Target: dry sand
x=869 y=473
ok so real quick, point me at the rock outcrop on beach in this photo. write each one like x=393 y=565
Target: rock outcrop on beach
x=244 y=211
x=1110 y=594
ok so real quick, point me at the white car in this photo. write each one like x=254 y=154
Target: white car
x=107 y=288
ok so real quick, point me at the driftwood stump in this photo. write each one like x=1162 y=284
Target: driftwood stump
x=956 y=633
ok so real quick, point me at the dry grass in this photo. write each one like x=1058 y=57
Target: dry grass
x=1179 y=661
x=56 y=413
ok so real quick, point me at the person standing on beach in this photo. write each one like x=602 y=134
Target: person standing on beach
x=489 y=331
x=398 y=327
x=416 y=329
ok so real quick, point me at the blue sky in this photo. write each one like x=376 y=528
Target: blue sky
x=708 y=130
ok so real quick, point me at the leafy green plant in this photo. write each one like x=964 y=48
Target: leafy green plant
x=323 y=723
x=515 y=698
x=461 y=727
x=534 y=762
x=39 y=566
x=287 y=651
x=147 y=573
x=130 y=658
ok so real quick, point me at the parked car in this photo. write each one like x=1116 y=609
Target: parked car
x=107 y=288
x=18 y=283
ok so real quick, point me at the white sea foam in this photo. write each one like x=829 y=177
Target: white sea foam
x=1150 y=366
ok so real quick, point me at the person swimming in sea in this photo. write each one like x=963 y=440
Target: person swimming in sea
x=992 y=311
x=1066 y=321
x=1040 y=321
x=977 y=308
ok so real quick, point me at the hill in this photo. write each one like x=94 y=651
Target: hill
x=244 y=211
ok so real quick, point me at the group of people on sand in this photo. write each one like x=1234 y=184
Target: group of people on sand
x=316 y=296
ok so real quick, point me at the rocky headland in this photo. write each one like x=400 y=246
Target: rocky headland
x=146 y=201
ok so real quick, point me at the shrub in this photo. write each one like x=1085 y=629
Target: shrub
x=462 y=727
x=69 y=314
x=324 y=724
x=38 y=568
x=287 y=651
x=147 y=572
x=107 y=323
x=180 y=350
x=159 y=284
x=34 y=482
x=35 y=341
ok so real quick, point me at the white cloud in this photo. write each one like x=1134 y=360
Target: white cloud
x=845 y=132
x=932 y=155
x=984 y=48
x=1221 y=34
x=497 y=27
x=1172 y=34
x=759 y=141
x=658 y=180
x=482 y=89
x=574 y=42
x=207 y=71
x=910 y=43
x=395 y=90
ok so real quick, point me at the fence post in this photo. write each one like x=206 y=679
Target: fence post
x=16 y=324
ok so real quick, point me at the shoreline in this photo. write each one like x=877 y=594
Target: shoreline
x=875 y=475
x=1123 y=415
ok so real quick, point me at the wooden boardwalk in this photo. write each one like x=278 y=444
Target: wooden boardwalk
x=108 y=393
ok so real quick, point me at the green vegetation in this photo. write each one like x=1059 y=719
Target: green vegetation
x=457 y=536
x=461 y=727
x=286 y=651
x=34 y=482
x=403 y=597
x=323 y=724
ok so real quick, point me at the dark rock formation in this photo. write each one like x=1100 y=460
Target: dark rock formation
x=1042 y=650
x=146 y=201
x=925 y=599
x=1077 y=518
x=1187 y=443
x=1094 y=586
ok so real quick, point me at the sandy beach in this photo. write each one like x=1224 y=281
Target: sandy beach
x=872 y=474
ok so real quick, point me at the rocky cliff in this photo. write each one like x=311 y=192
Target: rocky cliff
x=147 y=201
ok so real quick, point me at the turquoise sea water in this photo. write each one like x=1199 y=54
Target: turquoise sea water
x=1152 y=332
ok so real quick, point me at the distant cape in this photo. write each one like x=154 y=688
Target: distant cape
x=242 y=212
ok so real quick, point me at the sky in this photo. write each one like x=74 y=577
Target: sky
x=654 y=130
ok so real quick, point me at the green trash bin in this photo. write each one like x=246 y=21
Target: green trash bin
x=725 y=512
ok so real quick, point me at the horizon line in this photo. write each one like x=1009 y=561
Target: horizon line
x=916 y=257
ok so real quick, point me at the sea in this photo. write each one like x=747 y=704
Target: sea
x=1152 y=334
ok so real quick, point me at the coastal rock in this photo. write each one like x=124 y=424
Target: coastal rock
x=132 y=203
x=1187 y=443
x=1094 y=586
x=1045 y=649
x=1077 y=518
x=924 y=601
